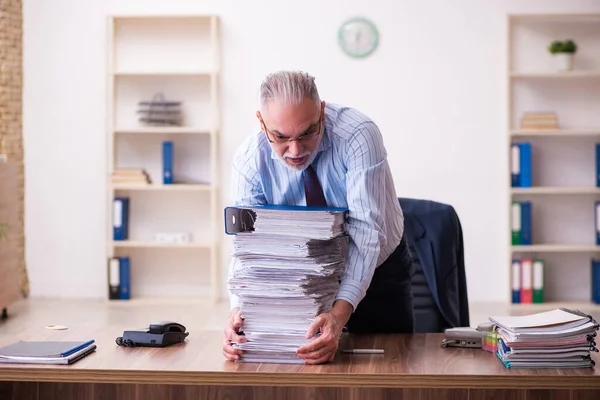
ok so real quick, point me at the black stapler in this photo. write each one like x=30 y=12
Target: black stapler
x=158 y=334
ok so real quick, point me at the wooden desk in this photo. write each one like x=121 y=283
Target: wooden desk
x=413 y=367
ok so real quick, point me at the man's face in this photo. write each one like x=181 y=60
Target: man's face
x=294 y=132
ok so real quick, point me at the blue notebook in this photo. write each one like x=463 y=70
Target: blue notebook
x=46 y=352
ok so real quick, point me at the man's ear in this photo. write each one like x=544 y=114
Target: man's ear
x=323 y=106
x=260 y=120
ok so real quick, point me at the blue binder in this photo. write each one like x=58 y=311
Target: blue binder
x=596 y=280
x=526 y=227
x=125 y=278
x=598 y=164
x=516 y=281
x=515 y=165
x=597 y=222
x=167 y=153
x=120 y=218
x=239 y=219
x=525 y=164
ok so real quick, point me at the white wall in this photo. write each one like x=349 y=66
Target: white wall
x=436 y=86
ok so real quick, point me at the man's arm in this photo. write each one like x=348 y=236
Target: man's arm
x=367 y=183
x=366 y=188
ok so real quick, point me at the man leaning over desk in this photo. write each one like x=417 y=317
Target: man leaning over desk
x=338 y=151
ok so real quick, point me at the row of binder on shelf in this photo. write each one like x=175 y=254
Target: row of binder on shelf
x=119 y=278
x=521 y=225
x=528 y=280
x=521 y=160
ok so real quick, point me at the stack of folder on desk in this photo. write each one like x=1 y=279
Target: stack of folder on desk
x=561 y=338
x=290 y=263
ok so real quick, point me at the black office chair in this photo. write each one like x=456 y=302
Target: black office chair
x=434 y=236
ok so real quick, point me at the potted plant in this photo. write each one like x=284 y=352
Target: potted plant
x=563 y=52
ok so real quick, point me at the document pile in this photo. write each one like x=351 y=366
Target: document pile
x=560 y=338
x=289 y=262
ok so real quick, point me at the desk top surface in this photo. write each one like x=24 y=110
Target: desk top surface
x=409 y=361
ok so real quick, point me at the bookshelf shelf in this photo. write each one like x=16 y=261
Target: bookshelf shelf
x=168 y=188
x=557 y=75
x=556 y=190
x=164 y=73
x=592 y=307
x=557 y=248
x=552 y=129
x=175 y=58
x=158 y=245
x=163 y=130
x=567 y=133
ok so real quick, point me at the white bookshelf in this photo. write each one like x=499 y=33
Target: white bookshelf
x=178 y=56
x=563 y=188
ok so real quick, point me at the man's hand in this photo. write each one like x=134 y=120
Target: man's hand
x=231 y=335
x=330 y=324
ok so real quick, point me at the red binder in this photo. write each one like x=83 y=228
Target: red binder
x=526 y=280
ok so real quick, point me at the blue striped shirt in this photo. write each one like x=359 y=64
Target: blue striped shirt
x=354 y=173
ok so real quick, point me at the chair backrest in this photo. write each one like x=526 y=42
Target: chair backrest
x=428 y=317
x=418 y=214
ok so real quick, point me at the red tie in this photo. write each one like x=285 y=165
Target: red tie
x=313 y=189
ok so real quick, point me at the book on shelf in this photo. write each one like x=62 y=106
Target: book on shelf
x=539 y=120
x=130 y=176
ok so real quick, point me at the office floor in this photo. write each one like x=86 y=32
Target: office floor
x=195 y=315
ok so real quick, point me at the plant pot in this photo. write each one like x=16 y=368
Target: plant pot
x=564 y=61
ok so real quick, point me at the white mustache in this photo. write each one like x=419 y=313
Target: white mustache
x=287 y=155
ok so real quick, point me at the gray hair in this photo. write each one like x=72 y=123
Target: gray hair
x=290 y=87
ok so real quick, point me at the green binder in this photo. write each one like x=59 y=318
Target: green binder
x=516 y=223
x=538 y=281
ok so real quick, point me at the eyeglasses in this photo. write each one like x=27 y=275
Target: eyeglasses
x=280 y=139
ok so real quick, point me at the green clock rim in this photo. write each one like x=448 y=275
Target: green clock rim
x=374 y=42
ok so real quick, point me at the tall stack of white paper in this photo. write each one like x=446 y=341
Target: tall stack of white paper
x=288 y=273
x=560 y=338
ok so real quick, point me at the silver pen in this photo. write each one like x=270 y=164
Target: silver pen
x=363 y=351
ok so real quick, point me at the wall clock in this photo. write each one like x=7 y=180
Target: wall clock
x=358 y=37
